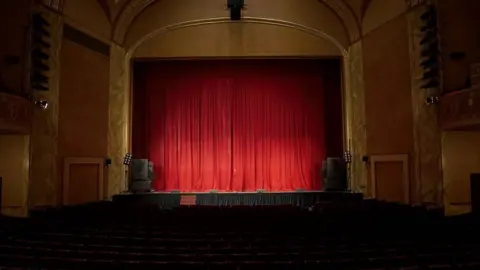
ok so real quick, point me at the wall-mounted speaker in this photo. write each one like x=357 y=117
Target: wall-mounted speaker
x=430 y=48
x=39 y=55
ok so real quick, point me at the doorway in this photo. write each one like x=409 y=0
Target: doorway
x=14 y=171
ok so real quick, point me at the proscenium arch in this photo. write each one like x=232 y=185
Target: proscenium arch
x=346 y=96
x=135 y=7
x=250 y=20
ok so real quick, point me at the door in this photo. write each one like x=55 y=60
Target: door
x=82 y=180
x=390 y=176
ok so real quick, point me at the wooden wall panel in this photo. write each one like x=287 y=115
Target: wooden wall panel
x=389 y=117
x=83 y=180
x=84 y=105
x=83 y=117
x=14 y=20
x=459 y=33
x=460 y=158
x=390 y=178
x=14 y=170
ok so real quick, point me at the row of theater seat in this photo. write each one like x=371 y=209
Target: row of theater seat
x=372 y=235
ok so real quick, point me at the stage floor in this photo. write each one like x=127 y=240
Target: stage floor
x=174 y=199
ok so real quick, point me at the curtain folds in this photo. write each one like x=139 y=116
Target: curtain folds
x=232 y=125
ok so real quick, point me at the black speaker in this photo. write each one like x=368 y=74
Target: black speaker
x=475 y=192
x=235 y=7
x=140 y=169
x=141 y=186
x=235 y=14
x=334 y=174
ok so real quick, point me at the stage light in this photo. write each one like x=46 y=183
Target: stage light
x=347 y=156
x=127 y=159
x=235 y=7
x=43 y=104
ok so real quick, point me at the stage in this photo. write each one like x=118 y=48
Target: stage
x=175 y=199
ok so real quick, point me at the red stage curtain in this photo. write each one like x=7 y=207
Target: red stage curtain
x=231 y=125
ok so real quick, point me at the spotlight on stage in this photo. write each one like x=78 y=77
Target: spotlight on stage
x=235 y=7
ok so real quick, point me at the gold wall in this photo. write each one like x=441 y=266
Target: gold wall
x=380 y=71
x=310 y=29
x=84 y=103
x=461 y=157
x=310 y=13
x=460 y=152
x=89 y=16
x=387 y=89
x=44 y=181
x=118 y=118
x=236 y=40
x=354 y=104
x=14 y=16
x=426 y=184
x=14 y=170
x=388 y=101
x=459 y=21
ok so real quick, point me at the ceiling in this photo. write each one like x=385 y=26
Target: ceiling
x=113 y=7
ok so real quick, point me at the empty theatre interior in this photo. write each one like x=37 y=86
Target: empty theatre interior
x=239 y=134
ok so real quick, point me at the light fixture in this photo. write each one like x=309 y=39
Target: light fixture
x=347 y=156
x=127 y=159
x=235 y=7
x=43 y=104
x=432 y=100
